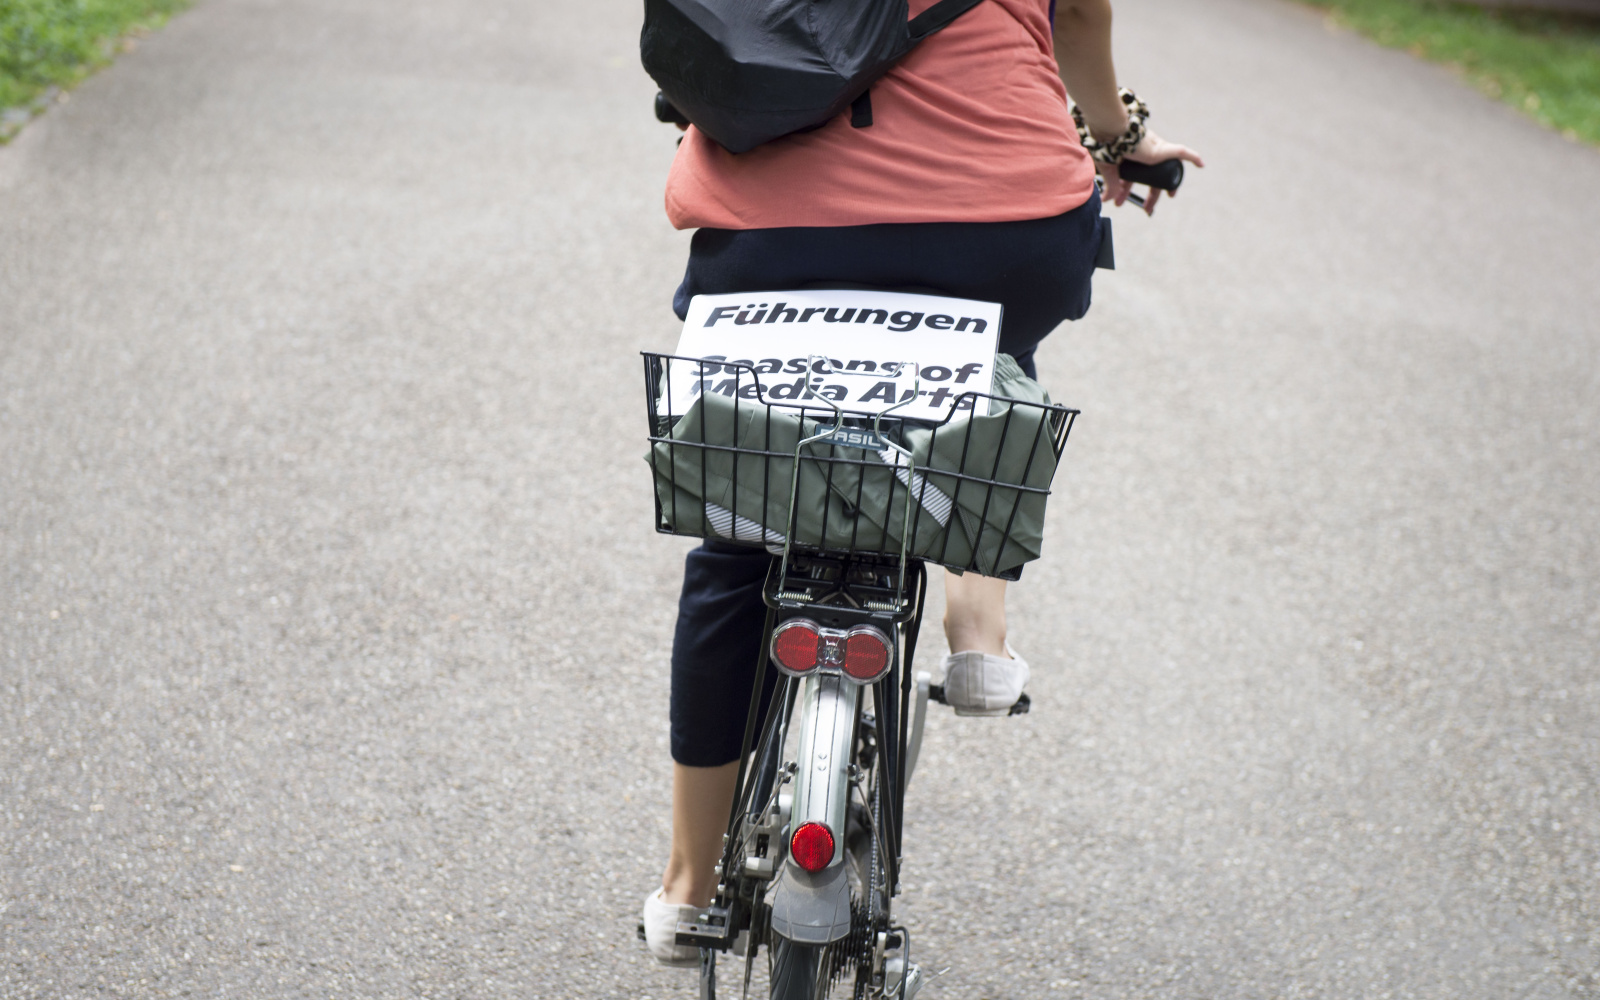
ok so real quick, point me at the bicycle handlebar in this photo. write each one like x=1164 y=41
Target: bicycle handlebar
x=666 y=112
x=1166 y=175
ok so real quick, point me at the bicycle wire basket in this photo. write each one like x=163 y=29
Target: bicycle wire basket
x=733 y=462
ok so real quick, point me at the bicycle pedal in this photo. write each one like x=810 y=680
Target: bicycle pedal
x=1020 y=707
x=709 y=929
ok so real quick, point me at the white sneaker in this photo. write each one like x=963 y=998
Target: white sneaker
x=661 y=931
x=979 y=684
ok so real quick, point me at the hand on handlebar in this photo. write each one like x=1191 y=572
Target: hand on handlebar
x=1151 y=149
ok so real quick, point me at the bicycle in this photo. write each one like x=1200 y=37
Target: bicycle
x=812 y=855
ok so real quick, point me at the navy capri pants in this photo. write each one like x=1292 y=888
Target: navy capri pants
x=1040 y=270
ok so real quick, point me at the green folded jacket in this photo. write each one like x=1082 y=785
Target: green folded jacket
x=966 y=510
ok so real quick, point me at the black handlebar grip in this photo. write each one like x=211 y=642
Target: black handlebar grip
x=1166 y=175
x=666 y=112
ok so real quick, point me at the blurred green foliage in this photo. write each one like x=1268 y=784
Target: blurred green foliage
x=1546 y=64
x=57 y=42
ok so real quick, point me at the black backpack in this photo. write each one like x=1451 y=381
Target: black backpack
x=748 y=71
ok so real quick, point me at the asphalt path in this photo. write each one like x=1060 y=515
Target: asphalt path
x=334 y=636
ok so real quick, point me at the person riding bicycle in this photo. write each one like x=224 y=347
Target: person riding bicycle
x=971 y=182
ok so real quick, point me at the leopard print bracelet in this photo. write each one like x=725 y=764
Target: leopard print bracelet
x=1114 y=150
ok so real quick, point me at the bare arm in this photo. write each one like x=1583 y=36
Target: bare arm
x=1083 y=52
x=1083 y=55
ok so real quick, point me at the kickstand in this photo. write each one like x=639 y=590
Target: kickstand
x=708 y=974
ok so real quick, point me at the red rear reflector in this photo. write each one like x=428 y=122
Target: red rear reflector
x=794 y=645
x=812 y=847
x=866 y=654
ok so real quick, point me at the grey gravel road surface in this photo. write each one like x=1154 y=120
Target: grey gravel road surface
x=333 y=634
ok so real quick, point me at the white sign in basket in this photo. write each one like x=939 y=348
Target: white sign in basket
x=865 y=351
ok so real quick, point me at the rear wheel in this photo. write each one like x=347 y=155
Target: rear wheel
x=798 y=971
x=812 y=971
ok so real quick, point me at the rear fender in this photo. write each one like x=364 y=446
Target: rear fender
x=811 y=909
x=814 y=908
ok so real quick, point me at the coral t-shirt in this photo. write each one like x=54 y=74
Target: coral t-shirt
x=972 y=126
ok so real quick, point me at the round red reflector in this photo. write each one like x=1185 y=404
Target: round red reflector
x=866 y=654
x=812 y=847
x=794 y=646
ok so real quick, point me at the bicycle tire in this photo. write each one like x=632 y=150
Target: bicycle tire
x=797 y=970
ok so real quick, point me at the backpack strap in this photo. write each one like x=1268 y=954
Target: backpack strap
x=861 y=110
x=919 y=28
x=937 y=16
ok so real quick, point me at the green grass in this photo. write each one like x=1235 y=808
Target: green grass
x=1546 y=64
x=56 y=43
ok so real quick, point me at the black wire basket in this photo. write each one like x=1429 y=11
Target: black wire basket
x=731 y=462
